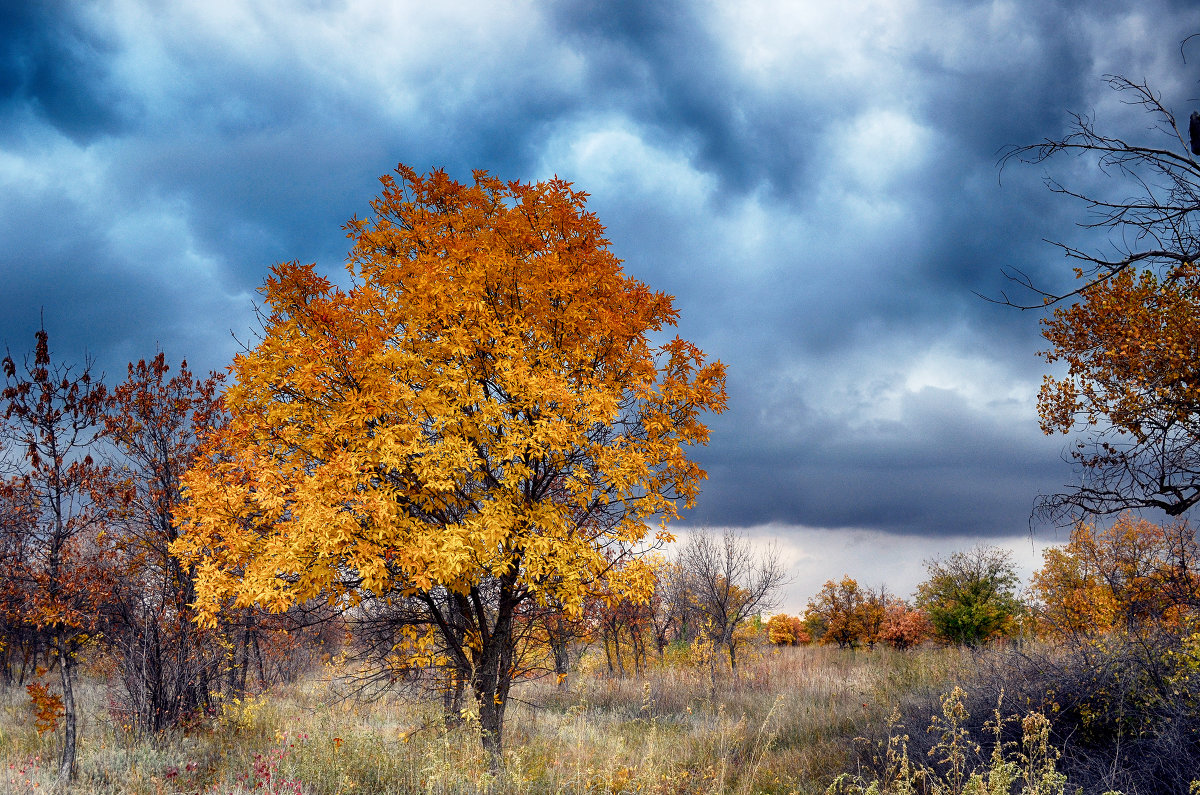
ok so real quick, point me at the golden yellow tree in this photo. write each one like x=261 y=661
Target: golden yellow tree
x=785 y=630
x=1073 y=598
x=1132 y=359
x=481 y=419
x=1133 y=576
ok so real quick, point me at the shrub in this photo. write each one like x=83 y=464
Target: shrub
x=1124 y=710
x=785 y=630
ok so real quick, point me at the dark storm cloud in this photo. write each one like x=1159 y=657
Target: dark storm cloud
x=816 y=185
x=55 y=66
x=940 y=467
x=984 y=110
x=669 y=72
x=76 y=279
x=247 y=156
x=660 y=64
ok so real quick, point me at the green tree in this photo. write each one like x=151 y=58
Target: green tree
x=971 y=597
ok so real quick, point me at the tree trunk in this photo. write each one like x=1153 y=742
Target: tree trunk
x=66 y=767
x=452 y=696
x=237 y=670
x=562 y=662
x=491 y=725
x=495 y=672
x=262 y=673
x=712 y=670
x=203 y=690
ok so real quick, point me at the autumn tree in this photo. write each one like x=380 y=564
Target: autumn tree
x=564 y=635
x=1072 y=599
x=1132 y=385
x=1126 y=336
x=1131 y=576
x=971 y=597
x=480 y=420
x=837 y=614
x=875 y=604
x=1120 y=602
x=672 y=610
x=785 y=630
x=155 y=423
x=729 y=582
x=624 y=630
x=23 y=645
x=903 y=626
x=53 y=415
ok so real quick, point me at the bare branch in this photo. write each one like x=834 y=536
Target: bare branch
x=1156 y=227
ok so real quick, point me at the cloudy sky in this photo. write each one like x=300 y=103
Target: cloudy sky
x=815 y=182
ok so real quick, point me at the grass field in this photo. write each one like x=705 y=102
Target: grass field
x=786 y=723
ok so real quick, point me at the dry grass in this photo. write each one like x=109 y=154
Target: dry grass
x=785 y=724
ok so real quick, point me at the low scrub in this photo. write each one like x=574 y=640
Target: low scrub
x=1123 y=710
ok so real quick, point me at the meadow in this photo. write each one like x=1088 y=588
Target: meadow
x=788 y=722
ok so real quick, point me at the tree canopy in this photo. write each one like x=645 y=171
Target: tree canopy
x=482 y=418
x=1126 y=330
x=971 y=597
x=1133 y=576
x=1133 y=377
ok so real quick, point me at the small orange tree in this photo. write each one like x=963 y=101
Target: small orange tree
x=480 y=420
x=903 y=625
x=838 y=614
x=1072 y=597
x=785 y=630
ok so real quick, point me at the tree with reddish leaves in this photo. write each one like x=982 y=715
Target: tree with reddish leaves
x=624 y=625
x=23 y=647
x=904 y=626
x=53 y=415
x=166 y=663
